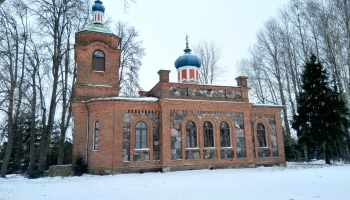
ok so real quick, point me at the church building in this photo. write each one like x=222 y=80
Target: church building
x=174 y=126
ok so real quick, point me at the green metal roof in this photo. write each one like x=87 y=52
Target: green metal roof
x=97 y=27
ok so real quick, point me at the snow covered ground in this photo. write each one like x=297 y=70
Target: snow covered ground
x=296 y=182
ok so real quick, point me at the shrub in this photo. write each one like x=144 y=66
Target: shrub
x=35 y=174
x=79 y=166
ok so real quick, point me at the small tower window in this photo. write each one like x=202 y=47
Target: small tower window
x=98 y=61
x=261 y=135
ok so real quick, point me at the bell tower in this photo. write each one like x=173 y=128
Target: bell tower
x=97 y=57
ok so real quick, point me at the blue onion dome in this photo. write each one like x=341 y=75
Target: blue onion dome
x=187 y=59
x=98 y=6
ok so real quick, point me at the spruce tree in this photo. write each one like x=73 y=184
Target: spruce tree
x=322 y=120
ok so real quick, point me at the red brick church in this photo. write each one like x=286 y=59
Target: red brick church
x=174 y=126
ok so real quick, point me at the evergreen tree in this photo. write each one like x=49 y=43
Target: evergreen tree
x=322 y=119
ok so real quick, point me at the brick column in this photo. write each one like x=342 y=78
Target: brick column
x=165 y=141
x=280 y=141
x=143 y=93
x=163 y=75
x=118 y=141
x=242 y=81
x=248 y=136
x=79 y=133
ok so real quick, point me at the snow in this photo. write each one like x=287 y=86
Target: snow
x=200 y=100
x=268 y=105
x=298 y=181
x=98 y=85
x=149 y=99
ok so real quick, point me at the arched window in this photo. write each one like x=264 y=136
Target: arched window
x=96 y=136
x=191 y=135
x=208 y=134
x=261 y=135
x=141 y=135
x=225 y=134
x=98 y=61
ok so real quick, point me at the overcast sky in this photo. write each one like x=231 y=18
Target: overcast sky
x=163 y=25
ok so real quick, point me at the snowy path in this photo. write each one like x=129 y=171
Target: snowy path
x=296 y=182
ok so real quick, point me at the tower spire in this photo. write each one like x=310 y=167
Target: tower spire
x=98 y=11
x=187 y=50
x=187 y=66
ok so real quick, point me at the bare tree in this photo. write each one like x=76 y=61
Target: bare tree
x=12 y=57
x=130 y=59
x=68 y=72
x=209 y=54
x=268 y=45
x=127 y=5
x=34 y=58
x=68 y=75
x=54 y=17
x=283 y=45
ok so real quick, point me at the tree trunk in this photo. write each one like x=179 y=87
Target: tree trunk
x=13 y=68
x=45 y=142
x=65 y=106
x=306 y=158
x=8 y=150
x=328 y=153
x=32 y=125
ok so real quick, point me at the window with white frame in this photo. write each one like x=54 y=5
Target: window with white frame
x=98 y=61
x=191 y=135
x=141 y=135
x=208 y=134
x=261 y=133
x=96 y=132
x=225 y=134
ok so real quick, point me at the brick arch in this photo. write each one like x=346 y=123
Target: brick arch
x=111 y=41
x=232 y=129
x=268 y=135
x=149 y=123
x=97 y=45
x=183 y=133
x=232 y=135
x=100 y=46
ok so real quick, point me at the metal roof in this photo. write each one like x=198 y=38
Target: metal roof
x=187 y=59
x=97 y=27
x=98 y=6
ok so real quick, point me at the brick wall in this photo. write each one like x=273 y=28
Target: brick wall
x=199 y=92
x=166 y=120
x=89 y=83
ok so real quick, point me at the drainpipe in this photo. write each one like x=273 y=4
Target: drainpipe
x=87 y=132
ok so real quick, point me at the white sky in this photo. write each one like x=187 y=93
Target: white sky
x=163 y=25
